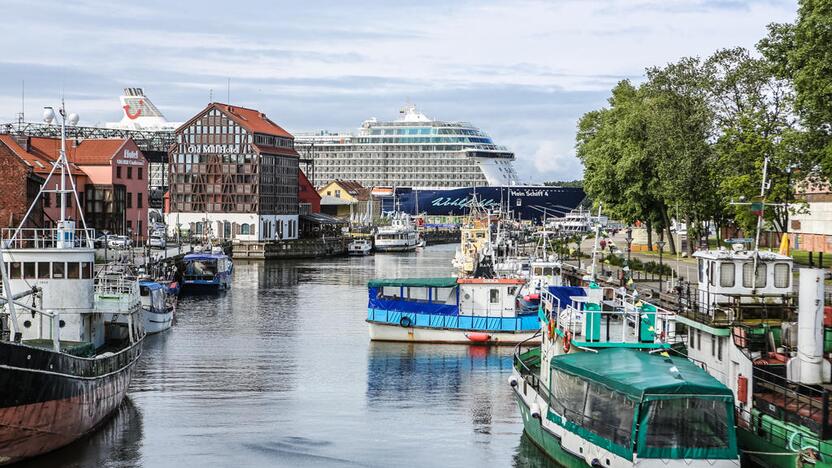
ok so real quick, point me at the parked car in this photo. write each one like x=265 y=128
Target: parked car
x=156 y=242
x=119 y=242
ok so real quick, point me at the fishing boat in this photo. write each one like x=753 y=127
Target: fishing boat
x=206 y=271
x=400 y=236
x=448 y=310
x=613 y=392
x=360 y=247
x=157 y=307
x=65 y=362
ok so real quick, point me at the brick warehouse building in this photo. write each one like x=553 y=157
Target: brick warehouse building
x=109 y=174
x=233 y=175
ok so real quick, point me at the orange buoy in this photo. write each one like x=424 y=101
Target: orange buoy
x=477 y=337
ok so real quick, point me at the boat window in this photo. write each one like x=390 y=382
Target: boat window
x=144 y=291
x=29 y=270
x=43 y=270
x=609 y=414
x=512 y=290
x=701 y=271
x=391 y=291
x=747 y=273
x=58 y=270
x=14 y=270
x=727 y=272
x=568 y=393
x=417 y=294
x=547 y=271
x=711 y=276
x=73 y=271
x=86 y=270
x=538 y=271
x=781 y=275
x=686 y=423
x=494 y=296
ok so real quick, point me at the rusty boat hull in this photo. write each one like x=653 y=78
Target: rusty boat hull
x=49 y=399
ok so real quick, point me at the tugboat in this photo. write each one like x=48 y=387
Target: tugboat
x=207 y=271
x=604 y=387
x=65 y=361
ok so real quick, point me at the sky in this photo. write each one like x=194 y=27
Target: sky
x=523 y=71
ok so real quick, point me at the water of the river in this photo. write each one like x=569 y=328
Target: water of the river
x=279 y=371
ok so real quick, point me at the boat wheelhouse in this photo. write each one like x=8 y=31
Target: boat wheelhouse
x=603 y=390
x=448 y=310
x=207 y=270
x=771 y=347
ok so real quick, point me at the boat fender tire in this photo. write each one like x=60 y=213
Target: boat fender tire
x=512 y=381
x=405 y=322
x=535 y=410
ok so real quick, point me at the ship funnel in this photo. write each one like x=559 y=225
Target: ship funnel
x=809 y=367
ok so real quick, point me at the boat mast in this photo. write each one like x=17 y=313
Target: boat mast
x=597 y=235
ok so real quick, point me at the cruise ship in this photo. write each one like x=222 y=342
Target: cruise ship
x=411 y=151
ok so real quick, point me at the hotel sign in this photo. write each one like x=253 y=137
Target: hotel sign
x=130 y=158
x=210 y=149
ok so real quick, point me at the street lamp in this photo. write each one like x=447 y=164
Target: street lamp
x=629 y=240
x=660 y=244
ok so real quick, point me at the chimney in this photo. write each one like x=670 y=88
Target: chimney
x=23 y=142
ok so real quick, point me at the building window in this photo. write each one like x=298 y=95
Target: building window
x=140 y=174
x=129 y=172
x=47 y=199
x=129 y=200
x=244 y=229
x=138 y=200
x=118 y=172
x=129 y=227
x=139 y=227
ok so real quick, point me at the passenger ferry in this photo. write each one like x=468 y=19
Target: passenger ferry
x=65 y=361
x=605 y=388
x=207 y=271
x=360 y=247
x=400 y=236
x=448 y=310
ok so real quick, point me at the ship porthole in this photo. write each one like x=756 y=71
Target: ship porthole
x=27 y=323
x=61 y=323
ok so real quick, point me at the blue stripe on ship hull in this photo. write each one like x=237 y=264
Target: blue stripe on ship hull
x=523 y=323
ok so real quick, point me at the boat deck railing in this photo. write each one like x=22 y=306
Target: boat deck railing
x=805 y=405
x=45 y=238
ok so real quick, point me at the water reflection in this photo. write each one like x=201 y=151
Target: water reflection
x=117 y=444
x=528 y=455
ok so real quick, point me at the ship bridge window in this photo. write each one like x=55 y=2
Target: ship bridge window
x=73 y=270
x=781 y=275
x=87 y=270
x=686 y=423
x=58 y=270
x=494 y=296
x=15 y=270
x=748 y=272
x=43 y=270
x=727 y=272
x=29 y=270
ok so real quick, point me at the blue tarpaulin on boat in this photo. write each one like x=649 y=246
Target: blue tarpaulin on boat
x=412 y=305
x=563 y=293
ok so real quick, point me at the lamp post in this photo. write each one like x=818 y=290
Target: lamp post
x=629 y=240
x=660 y=245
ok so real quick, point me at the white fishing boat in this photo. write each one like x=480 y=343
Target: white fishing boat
x=157 y=309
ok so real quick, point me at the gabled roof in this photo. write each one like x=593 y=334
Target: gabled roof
x=93 y=152
x=354 y=188
x=639 y=374
x=39 y=162
x=251 y=119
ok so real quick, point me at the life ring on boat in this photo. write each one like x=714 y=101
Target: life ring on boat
x=567 y=342
x=406 y=322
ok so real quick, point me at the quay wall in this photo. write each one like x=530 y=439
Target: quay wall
x=299 y=248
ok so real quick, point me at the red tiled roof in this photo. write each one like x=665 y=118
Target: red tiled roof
x=40 y=162
x=252 y=120
x=85 y=152
x=276 y=150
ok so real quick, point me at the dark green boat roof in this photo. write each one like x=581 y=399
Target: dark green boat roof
x=449 y=282
x=638 y=374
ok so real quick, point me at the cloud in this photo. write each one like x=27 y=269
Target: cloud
x=524 y=71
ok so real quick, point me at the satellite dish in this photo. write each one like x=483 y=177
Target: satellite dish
x=73 y=119
x=48 y=115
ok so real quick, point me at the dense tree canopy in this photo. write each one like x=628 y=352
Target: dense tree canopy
x=693 y=138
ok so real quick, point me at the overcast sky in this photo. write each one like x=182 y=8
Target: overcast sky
x=523 y=71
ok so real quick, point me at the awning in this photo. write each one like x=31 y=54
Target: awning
x=320 y=218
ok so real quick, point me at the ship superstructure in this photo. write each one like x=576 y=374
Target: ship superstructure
x=412 y=151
